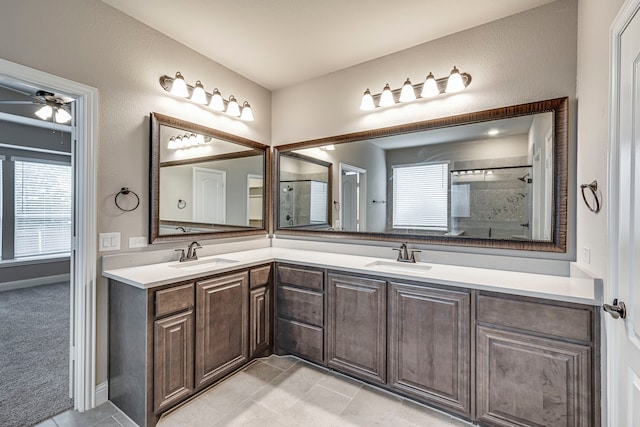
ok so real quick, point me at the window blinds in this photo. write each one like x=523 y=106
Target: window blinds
x=420 y=196
x=42 y=208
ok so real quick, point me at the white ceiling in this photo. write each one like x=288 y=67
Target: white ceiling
x=277 y=43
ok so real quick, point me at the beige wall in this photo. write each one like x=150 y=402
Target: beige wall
x=594 y=19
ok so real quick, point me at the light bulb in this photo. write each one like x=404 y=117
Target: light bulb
x=179 y=87
x=493 y=132
x=45 y=112
x=233 y=108
x=217 y=103
x=199 y=95
x=247 y=113
x=430 y=87
x=179 y=142
x=407 y=94
x=172 y=145
x=386 y=97
x=193 y=140
x=367 y=101
x=62 y=116
x=454 y=83
x=199 y=139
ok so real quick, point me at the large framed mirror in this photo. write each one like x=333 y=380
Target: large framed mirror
x=494 y=178
x=205 y=183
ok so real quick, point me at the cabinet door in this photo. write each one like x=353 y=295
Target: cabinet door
x=429 y=345
x=260 y=321
x=221 y=326
x=172 y=359
x=532 y=381
x=357 y=326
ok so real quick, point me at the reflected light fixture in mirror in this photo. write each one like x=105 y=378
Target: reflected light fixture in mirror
x=455 y=82
x=177 y=86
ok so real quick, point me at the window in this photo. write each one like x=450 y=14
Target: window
x=421 y=196
x=42 y=208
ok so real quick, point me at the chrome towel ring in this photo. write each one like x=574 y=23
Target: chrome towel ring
x=593 y=189
x=125 y=191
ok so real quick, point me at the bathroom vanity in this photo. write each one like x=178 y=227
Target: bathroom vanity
x=498 y=348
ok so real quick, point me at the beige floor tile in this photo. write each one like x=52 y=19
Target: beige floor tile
x=250 y=414
x=72 y=418
x=341 y=384
x=194 y=413
x=282 y=362
x=325 y=399
x=371 y=407
x=287 y=389
x=421 y=415
x=46 y=423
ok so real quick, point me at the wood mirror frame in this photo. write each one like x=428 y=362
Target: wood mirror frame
x=558 y=239
x=154 y=180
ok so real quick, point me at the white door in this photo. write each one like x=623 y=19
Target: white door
x=209 y=195
x=624 y=241
x=350 y=202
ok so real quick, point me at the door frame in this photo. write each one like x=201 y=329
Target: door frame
x=83 y=242
x=612 y=326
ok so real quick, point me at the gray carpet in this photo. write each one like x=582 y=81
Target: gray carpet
x=34 y=354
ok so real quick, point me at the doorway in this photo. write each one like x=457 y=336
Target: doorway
x=353 y=192
x=623 y=266
x=83 y=241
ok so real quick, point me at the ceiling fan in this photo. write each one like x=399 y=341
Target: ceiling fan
x=54 y=107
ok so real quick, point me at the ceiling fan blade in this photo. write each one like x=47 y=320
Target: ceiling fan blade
x=19 y=102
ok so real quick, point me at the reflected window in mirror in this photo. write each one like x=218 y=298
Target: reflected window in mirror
x=205 y=183
x=496 y=178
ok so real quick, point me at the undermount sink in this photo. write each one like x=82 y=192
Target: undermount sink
x=399 y=266
x=201 y=263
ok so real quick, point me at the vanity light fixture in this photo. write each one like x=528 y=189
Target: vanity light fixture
x=493 y=132
x=455 y=82
x=177 y=86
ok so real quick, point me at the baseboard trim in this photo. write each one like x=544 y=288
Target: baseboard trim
x=37 y=281
x=102 y=393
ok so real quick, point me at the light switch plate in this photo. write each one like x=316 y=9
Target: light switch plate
x=137 y=242
x=586 y=255
x=109 y=242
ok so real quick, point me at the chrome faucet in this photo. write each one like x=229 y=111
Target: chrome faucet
x=191 y=252
x=403 y=254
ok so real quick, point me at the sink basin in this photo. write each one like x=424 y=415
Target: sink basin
x=399 y=266
x=201 y=264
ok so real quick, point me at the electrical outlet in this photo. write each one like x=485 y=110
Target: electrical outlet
x=109 y=242
x=586 y=255
x=137 y=242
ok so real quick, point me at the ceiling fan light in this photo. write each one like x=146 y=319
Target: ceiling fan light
x=407 y=93
x=45 y=112
x=386 y=97
x=62 y=116
x=454 y=82
x=247 y=113
x=179 y=86
x=199 y=96
x=233 y=108
x=217 y=103
x=430 y=87
x=367 y=101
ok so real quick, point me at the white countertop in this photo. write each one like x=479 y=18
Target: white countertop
x=560 y=288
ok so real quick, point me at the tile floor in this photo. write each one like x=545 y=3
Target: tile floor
x=280 y=391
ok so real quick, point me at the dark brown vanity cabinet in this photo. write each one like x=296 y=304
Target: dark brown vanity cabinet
x=260 y=311
x=222 y=318
x=535 y=363
x=300 y=311
x=173 y=346
x=430 y=345
x=357 y=326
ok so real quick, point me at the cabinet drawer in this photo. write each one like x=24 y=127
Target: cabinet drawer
x=303 y=340
x=553 y=320
x=300 y=304
x=260 y=276
x=303 y=277
x=172 y=300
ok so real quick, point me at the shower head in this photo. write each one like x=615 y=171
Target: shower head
x=525 y=179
